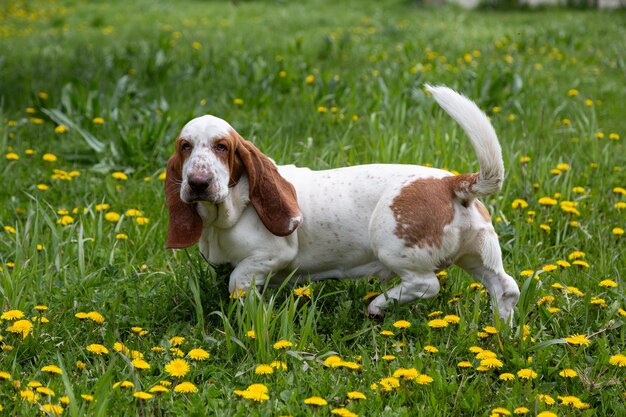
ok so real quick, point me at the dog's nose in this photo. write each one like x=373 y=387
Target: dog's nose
x=198 y=182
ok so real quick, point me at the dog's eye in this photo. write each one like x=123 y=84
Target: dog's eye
x=220 y=147
x=186 y=147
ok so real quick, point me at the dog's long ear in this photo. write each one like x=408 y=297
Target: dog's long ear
x=185 y=225
x=272 y=196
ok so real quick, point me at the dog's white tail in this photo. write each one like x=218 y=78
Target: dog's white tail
x=481 y=133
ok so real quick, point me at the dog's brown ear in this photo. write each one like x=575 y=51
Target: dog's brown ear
x=272 y=196
x=185 y=225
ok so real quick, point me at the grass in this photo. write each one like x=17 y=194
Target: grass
x=322 y=84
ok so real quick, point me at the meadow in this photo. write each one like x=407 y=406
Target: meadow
x=99 y=319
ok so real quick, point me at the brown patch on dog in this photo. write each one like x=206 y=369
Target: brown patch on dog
x=424 y=207
x=185 y=225
x=483 y=211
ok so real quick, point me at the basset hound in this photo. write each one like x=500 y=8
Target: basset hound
x=380 y=220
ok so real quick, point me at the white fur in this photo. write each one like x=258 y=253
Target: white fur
x=349 y=226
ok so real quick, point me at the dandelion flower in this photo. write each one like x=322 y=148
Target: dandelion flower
x=49 y=157
x=177 y=368
x=140 y=364
x=198 y=354
x=112 y=216
x=282 y=344
x=617 y=231
x=97 y=349
x=438 y=323
x=119 y=176
x=356 y=395
x=52 y=369
x=21 y=326
x=527 y=373
x=12 y=315
x=177 y=340
x=491 y=363
x=142 y=221
x=386 y=333
x=388 y=357
x=464 y=364
x=401 y=324
x=279 y=365
x=142 y=395
x=52 y=409
x=506 y=376
x=406 y=373
x=343 y=412
x=251 y=334
x=95 y=317
x=185 y=388
x=302 y=292
x=12 y=156
x=370 y=294
x=430 y=349
x=577 y=339
x=389 y=383
x=452 y=319
x=98 y=120
x=5 y=375
x=618 y=360
x=568 y=373
x=547 y=201
x=315 y=401
x=521 y=410
x=87 y=397
x=423 y=379
x=263 y=369
x=500 y=411
x=158 y=389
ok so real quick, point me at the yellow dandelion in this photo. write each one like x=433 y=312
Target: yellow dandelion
x=22 y=327
x=618 y=360
x=177 y=368
x=140 y=364
x=464 y=364
x=97 y=349
x=401 y=324
x=60 y=129
x=519 y=203
x=386 y=333
x=356 y=395
x=185 y=388
x=198 y=354
x=423 y=379
x=282 y=344
x=438 y=323
x=568 y=373
x=49 y=157
x=521 y=410
x=52 y=409
x=617 y=231
x=12 y=315
x=500 y=411
x=315 y=401
x=119 y=176
x=263 y=370
x=302 y=292
x=389 y=383
x=12 y=156
x=491 y=363
x=52 y=369
x=430 y=349
x=527 y=373
x=95 y=317
x=98 y=120
x=388 y=357
x=506 y=376
x=158 y=389
x=141 y=221
x=112 y=216
x=142 y=395
x=251 y=334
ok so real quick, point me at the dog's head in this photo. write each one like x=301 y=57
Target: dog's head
x=209 y=160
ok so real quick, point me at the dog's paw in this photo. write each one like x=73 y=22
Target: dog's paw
x=377 y=317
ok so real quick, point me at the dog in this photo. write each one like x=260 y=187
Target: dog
x=380 y=220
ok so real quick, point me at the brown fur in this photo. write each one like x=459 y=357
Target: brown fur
x=185 y=225
x=273 y=197
x=483 y=211
x=424 y=207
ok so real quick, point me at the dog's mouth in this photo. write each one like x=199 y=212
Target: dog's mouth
x=189 y=196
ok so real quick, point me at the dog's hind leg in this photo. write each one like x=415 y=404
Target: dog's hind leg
x=486 y=267
x=411 y=287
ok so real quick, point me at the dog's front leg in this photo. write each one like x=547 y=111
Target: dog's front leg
x=254 y=269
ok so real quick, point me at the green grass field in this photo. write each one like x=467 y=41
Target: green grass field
x=92 y=95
